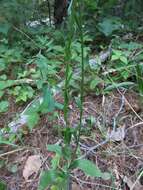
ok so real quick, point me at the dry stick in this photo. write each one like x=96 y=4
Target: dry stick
x=91 y=183
x=94 y=148
x=136 y=125
x=130 y=105
x=11 y=152
x=136 y=180
x=27 y=36
x=17 y=150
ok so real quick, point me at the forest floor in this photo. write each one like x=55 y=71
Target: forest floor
x=122 y=155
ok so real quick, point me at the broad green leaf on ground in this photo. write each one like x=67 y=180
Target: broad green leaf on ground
x=3 y=77
x=48 y=103
x=88 y=167
x=47 y=178
x=42 y=63
x=108 y=26
x=33 y=119
x=130 y=46
x=6 y=84
x=4 y=28
x=95 y=82
x=34 y=107
x=4 y=106
x=124 y=59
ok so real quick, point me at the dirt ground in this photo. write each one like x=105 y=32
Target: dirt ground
x=122 y=155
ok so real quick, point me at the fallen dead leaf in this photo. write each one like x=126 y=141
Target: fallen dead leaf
x=117 y=135
x=32 y=166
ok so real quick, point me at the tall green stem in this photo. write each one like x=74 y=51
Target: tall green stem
x=66 y=87
x=79 y=22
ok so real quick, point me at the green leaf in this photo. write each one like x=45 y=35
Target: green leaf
x=55 y=161
x=94 y=83
x=2 y=185
x=4 y=106
x=3 y=77
x=59 y=105
x=118 y=85
x=118 y=53
x=2 y=64
x=67 y=134
x=114 y=58
x=48 y=103
x=108 y=26
x=67 y=152
x=78 y=102
x=124 y=59
x=42 y=63
x=55 y=148
x=47 y=178
x=7 y=143
x=1 y=93
x=88 y=167
x=131 y=45
x=34 y=107
x=125 y=74
x=33 y=119
x=4 y=28
x=6 y=84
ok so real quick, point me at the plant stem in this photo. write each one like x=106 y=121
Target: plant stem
x=66 y=88
x=79 y=23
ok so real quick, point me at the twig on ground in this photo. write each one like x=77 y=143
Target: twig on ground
x=138 y=178
x=135 y=125
x=12 y=152
x=130 y=105
x=91 y=183
x=94 y=148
